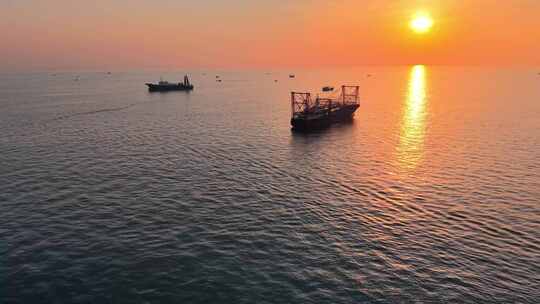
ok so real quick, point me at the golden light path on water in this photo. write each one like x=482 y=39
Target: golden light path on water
x=410 y=149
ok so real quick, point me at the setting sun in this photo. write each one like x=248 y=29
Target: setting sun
x=421 y=23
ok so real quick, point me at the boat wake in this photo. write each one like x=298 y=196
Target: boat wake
x=67 y=116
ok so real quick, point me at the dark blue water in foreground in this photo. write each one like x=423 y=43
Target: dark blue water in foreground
x=109 y=194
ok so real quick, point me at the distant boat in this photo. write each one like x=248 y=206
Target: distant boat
x=327 y=89
x=165 y=86
x=292 y=76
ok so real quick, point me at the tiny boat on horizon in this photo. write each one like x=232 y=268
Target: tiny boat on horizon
x=165 y=86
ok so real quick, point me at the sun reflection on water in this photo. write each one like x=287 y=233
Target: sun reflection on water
x=410 y=149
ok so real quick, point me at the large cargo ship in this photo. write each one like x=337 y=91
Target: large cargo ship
x=165 y=86
x=321 y=112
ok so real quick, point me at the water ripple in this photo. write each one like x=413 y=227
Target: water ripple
x=208 y=197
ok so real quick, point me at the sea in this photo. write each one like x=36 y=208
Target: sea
x=112 y=194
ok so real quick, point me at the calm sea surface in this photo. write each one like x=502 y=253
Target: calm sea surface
x=110 y=194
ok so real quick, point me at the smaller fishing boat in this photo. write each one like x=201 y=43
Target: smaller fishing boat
x=327 y=89
x=165 y=86
x=292 y=76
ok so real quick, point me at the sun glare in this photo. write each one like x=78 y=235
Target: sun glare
x=421 y=23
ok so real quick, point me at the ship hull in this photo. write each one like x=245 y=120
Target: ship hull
x=343 y=114
x=168 y=88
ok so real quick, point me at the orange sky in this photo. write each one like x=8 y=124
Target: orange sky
x=109 y=34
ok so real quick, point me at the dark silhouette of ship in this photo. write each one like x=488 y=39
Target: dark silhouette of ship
x=327 y=89
x=165 y=86
x=309 y=114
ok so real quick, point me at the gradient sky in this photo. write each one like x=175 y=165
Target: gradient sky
x=109 y=34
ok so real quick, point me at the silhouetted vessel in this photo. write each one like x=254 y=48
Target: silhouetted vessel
x=165 y=86
x=327 y=89
x=308 y=114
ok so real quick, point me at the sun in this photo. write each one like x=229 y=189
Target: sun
x=421 y=23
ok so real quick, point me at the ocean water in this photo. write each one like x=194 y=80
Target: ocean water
x=110 y=194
